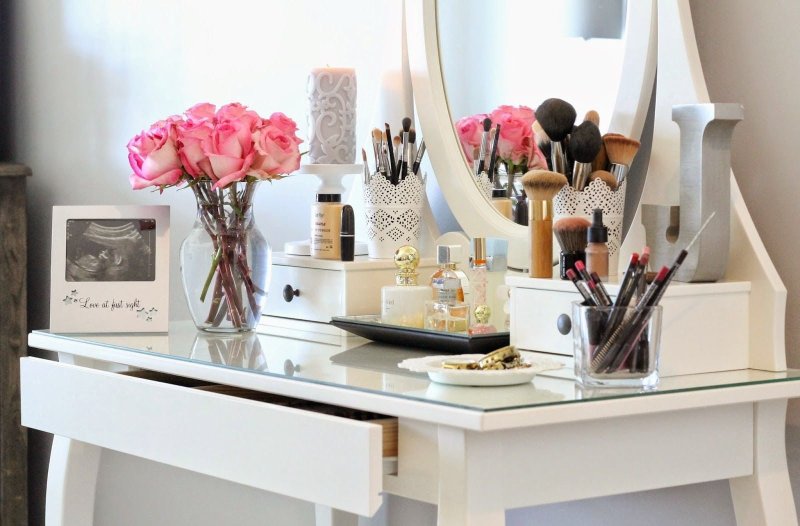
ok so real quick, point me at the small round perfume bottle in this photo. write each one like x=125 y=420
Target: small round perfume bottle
x=404 y=303
x=482 y=315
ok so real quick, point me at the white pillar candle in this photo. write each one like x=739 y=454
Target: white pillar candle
x=332 y=116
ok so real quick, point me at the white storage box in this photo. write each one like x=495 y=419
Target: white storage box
x=705 y=325
x=304 y=288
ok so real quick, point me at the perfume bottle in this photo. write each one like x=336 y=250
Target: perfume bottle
x=479 y=272
x=445 y=257
x=404 y=303
x=447 y=312
x=481 y=325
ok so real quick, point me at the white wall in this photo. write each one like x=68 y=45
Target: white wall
x=91 y=73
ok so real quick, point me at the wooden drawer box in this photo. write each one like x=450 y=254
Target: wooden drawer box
x=705 y=326
x=287 y=446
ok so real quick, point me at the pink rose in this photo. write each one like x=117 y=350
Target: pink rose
x=515 y=127
x=469 y=132
x=238 y=112
x=229 y=148
x=190 y=136
x=201 y=112
x=285 y=124
x=153 y=156
x=277 y=152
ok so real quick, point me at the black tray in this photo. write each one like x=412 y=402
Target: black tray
x=371 y=328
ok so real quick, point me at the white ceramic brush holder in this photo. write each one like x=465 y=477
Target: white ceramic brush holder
x=569 y=202
x=394 y=214
x=485 y=185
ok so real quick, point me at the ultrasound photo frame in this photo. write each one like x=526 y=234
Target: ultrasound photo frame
x=109 y=269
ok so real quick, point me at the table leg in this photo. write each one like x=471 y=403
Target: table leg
x=71 y=483
x=327 y=516
x=765 y=497
x=465 y=498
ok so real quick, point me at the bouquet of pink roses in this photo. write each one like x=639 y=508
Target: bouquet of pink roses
x=220 y=154
x=516 y=147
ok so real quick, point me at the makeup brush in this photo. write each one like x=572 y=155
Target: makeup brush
x=366 y=165
x=487 y=125
x=605 y=176
x=592 y=116
x=541 y=186
x=601 y=161
x=542 y=142
x=397 y=144
x=493 y=156
x=392 y=169
x=404 y=155
x=420 y=155
x=557 y=118
x=571 y=235
x=584 y=143
x=621 y=151
x=377 y=139
x=412 y=150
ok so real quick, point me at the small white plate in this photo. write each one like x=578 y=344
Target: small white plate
x=432 y=365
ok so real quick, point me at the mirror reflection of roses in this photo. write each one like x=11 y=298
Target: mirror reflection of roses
x=110 y=250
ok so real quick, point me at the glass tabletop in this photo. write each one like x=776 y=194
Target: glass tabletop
x=358 y=364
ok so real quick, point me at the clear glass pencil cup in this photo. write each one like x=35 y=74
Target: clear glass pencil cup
x=616 y=346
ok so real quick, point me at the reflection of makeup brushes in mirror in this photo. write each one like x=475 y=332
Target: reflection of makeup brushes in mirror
x=557 y=118
x=605 y=176
x=542 y=142
x=621 y=151
x=592 y=116
x=487 y=125
x=392 y=166
x=420 y=154
x=493 y=155
x=541 y=186
x=584 y=143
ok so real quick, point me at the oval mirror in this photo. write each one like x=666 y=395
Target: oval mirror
x=468 y=57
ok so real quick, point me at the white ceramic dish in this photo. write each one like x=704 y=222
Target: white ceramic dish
x=432 y=365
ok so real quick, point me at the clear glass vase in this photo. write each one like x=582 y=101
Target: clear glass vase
x=225 y=261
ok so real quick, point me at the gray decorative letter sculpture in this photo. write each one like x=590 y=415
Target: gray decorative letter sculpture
x=706 y=131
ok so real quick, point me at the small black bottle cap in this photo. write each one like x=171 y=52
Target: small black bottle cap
x=598 y=232
x=329 y=198
x=498 y=192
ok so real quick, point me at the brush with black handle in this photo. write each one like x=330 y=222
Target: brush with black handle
x=392 y=166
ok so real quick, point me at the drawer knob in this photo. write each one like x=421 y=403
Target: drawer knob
x=564 y=324
x=289 y=367
x=289 y=293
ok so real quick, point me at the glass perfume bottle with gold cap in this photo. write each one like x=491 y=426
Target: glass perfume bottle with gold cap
x=447 y=312
x=404 y=303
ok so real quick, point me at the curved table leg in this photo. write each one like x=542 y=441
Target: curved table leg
x=71 y=483
x=765 y=497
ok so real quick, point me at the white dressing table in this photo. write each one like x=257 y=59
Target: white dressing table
x=473 y=451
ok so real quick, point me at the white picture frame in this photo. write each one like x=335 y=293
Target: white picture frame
x=109 y=269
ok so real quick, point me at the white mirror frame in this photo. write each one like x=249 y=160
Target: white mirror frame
x=469 y=206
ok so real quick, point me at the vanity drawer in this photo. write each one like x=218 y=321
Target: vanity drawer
x=268 y=445
x=319 y=294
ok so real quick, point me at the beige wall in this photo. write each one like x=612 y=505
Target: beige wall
x=750 y=52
